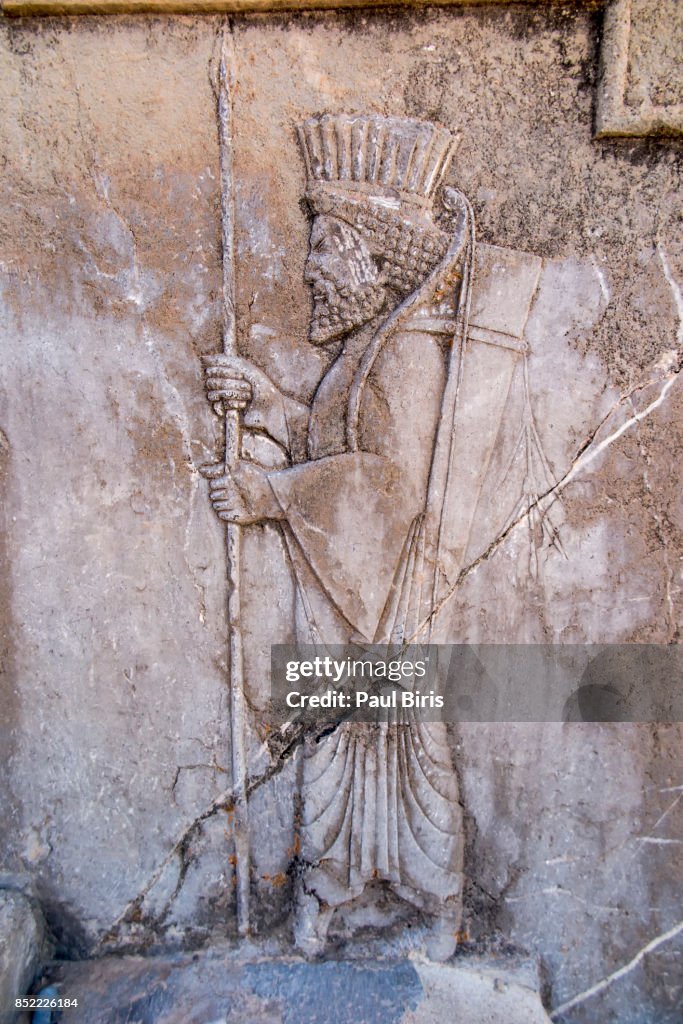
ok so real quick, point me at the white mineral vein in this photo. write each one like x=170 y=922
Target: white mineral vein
x=559 y=890
x=662 y=842
x=594 y=451
x=602 y=280
x=667 y=812
x=675 y=290
x=600 y=986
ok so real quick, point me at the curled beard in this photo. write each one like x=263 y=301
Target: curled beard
x=335 y=313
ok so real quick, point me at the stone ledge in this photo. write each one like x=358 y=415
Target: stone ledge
x=220 y=987
x=23 y=947
x=27 y=8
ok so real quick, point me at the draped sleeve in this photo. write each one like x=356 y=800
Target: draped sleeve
x=350 y=513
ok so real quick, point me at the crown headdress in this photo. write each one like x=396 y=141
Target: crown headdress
x=385 y=157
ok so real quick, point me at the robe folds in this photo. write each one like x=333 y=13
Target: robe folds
x=377 y=522
x=379 y=800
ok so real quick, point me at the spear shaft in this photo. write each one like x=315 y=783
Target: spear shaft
x=226 y=83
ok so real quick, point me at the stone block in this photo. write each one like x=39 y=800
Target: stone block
x=215 y=988
x=641 y=87
x=23 y=949
x=121 y=800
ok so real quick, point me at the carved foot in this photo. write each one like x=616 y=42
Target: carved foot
x=310 y=925
x=442 y=939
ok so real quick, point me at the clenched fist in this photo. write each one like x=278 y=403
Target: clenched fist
x=243 y=495
x=235 y=383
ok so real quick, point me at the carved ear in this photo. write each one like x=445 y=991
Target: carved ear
x=454 y=216
x=381 y=263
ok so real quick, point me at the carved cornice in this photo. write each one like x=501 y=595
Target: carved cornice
x=26 y=8
x=614 y=117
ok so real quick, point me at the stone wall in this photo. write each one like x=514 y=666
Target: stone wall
x=116 y=727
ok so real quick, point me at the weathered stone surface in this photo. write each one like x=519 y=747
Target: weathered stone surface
x=641 y=89
x=23 y=949
x=218 y=987
x=115 y=705
x=640 y=92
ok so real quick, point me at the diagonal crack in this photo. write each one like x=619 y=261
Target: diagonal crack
x=600 y=986
x=282 y=744
x=280 y=747
x=586 y=453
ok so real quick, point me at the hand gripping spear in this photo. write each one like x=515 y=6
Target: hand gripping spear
x=226 y=83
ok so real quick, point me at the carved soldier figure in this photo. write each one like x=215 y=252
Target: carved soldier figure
x=361 y=500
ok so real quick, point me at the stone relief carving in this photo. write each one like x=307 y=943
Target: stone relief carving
x=381 y=487
x=627 y=25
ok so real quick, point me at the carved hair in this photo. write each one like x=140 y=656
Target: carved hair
x=407 y=248
x=380 y=175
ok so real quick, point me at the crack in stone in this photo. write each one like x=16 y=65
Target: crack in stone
x=675 y=290
x=600 y=986
x=560 y=890
x=661 y=535
x=584 y=456
x=281 y=745
x=215 y=767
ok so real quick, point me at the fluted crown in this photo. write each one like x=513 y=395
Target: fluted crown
x=382 y=156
